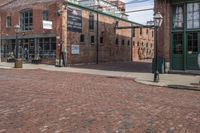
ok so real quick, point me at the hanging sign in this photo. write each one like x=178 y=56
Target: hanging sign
x=75 y=49
x=74 y=19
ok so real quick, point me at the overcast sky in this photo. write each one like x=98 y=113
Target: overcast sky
x=140 y=17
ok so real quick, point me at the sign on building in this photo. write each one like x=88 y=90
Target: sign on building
x=75 y=49
x=47 y=24
x=74 y=19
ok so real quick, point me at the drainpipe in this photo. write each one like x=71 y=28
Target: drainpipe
x=0 y=38
x=131 y=43
x=97 y=40
x=64 y=34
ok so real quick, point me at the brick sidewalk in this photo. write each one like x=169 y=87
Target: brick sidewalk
x=38 y=101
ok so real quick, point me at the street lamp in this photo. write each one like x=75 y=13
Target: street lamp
x=158 y=19
x=18 y=61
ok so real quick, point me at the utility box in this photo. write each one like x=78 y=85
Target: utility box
x=161 y=65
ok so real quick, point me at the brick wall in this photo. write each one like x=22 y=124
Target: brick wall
x=142 y=51
x=37 y=19
x=108 y=50
x=163 y=6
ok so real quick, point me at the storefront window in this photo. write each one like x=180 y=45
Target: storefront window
x=178 y=43
x=47 y=47
x=178 y=16
x=193 y=15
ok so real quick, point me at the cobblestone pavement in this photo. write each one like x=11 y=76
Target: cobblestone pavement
x=38 y=101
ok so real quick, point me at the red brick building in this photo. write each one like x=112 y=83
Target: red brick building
x=179 y=42
x=143 y=44
x=49 y=28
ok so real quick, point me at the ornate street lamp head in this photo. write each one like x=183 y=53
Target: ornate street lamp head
x=158 y=19
x=17 y=28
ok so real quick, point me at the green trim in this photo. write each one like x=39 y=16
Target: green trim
x=171 y=40
x=184 y=36
x=183 y=1
x=100 y=12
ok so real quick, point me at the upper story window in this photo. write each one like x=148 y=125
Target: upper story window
x=8 y=22
x=116 y=41
x=128 y=43
x=122 y=42
x=82 y=38
x=147 y=31
x=26 y=20
x=140 y=31
x=133 y=32
x=193 y=15
x=45 y=15
x=178 y=16
x=92 y=39
x=152 y=33
x=91 y=21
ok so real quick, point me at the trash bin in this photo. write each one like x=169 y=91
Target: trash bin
x=18 y=63
x=161 y=65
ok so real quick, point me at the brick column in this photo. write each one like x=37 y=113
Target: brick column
x=61 y=32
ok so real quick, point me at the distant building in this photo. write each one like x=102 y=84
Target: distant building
x=143 y=43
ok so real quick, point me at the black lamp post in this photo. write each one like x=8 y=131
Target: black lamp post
x=157 y=23
x=16 y=40
x=18 y=61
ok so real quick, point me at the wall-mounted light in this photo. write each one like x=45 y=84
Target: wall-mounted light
x=59 y=12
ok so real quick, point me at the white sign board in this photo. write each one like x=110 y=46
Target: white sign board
x=47 y=24
x=75 y=49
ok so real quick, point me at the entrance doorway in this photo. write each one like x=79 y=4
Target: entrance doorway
x=27 y=49
x=177 y=53
x=192 y=48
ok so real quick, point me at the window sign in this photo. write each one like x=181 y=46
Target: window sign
x=75 y=49
x=193 y=11
x=178 y=16
x=74 y=19
x=47 y=24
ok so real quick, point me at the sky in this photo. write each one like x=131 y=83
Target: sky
x=140 y=17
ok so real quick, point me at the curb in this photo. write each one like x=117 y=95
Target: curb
x=184 y=87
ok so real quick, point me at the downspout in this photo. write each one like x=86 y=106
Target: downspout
x=131 y=43
x=0 y=38
x=97 y=40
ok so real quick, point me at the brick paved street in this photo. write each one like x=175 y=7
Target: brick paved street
x=38 y=101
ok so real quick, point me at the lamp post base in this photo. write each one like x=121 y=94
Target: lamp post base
x=156 y=76
x=18 y=63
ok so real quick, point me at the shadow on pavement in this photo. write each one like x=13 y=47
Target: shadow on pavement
x=140 y=67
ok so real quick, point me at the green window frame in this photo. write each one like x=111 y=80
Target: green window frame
x=26 y=20
x=178 y=16
x=193 y=15
x=8 y=22
x=45 y=15
x=192 y=39
x=178 y=43
x=91 y=21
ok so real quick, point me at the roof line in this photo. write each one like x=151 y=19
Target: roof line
x=7 y=3
x=100 y=12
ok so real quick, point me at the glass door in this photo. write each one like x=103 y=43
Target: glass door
x=177 y=53
x=192 y=51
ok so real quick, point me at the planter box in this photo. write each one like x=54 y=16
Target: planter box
x=36 y=61
x=11 y=60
